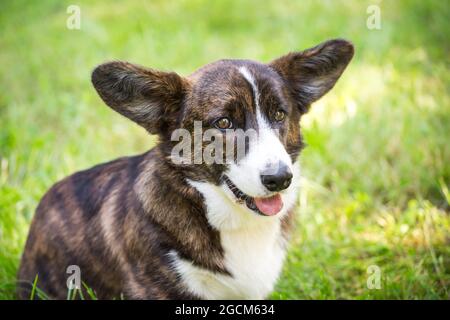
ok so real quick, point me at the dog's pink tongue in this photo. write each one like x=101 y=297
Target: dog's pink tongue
x=269 y=206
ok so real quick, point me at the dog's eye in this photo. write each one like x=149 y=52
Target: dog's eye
x=279 y=115
x=223 y=123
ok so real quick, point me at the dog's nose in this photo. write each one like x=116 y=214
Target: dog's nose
x=278 y=179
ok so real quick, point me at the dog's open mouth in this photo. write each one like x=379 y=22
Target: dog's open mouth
x=269 y=206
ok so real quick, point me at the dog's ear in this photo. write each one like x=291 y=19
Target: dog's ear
x=313 y=72
x=149 y=97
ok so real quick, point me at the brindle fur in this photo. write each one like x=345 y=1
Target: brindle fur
x=119 y=220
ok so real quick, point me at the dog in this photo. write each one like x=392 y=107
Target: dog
x=148 y=227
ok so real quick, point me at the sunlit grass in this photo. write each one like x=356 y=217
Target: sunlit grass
x=376 y=170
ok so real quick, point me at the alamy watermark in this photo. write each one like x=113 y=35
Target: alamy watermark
x=214 y=146
x=373 y=21
x=374 y=278
x=211 y=145
x=73 y=21
x=74 y=280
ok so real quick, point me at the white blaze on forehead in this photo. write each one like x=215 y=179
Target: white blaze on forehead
x=268 y=138
x=250 y=79
x=265 y=152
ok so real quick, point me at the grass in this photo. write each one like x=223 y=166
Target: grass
x=376 y=170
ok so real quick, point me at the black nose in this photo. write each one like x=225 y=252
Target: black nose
x=279 y=178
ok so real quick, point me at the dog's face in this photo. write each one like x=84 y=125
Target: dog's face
x=256 y=107
x=237 y=98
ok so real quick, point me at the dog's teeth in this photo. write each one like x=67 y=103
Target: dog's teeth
x=250 y=204
x=240 y=196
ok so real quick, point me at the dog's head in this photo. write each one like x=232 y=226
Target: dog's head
x=230 y=99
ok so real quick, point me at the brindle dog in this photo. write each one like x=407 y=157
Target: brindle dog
x=144 y=227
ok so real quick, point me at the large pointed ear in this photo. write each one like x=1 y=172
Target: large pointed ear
x=313 y=72
x=149 y=97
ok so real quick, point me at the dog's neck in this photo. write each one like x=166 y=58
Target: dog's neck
x=180 y=211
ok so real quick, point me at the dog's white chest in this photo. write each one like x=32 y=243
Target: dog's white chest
x=254 y=249
x=253 y=257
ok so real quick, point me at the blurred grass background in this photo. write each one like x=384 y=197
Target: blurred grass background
x=376 y=170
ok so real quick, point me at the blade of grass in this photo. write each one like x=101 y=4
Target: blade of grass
x=90 y=292
x=33 y=289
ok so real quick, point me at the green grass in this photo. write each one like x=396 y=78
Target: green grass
x=376 y=170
